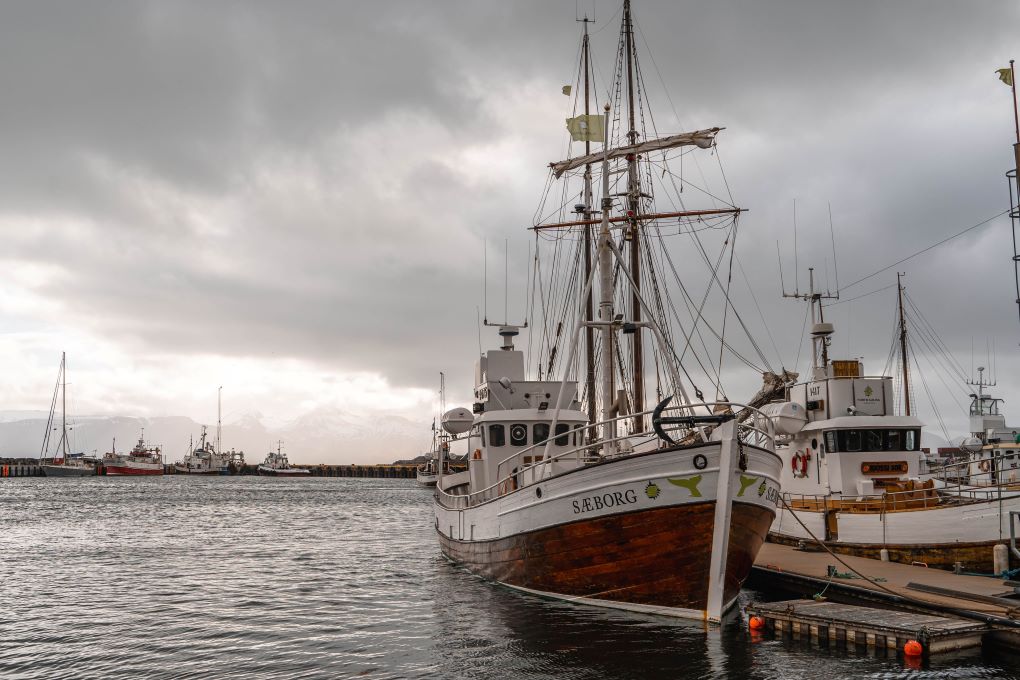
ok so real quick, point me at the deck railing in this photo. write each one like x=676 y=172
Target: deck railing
x=757 y=429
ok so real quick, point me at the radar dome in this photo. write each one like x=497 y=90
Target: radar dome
x=458 y=420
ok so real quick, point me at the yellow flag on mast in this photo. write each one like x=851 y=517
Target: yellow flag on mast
x=1006 y=75
x=587 y=128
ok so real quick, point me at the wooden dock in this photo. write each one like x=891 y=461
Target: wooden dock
x=854 y=625
x=898 y=588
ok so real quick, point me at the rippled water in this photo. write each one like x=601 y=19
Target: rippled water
x=181 y=577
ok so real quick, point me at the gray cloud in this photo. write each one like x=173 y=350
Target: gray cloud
x=316 y=180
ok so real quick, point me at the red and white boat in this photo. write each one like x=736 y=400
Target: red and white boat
x=141 y=460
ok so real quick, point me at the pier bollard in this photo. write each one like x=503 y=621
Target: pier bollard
x=1000 y=558
x=884 y=554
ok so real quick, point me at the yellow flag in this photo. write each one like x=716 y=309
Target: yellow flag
x=587 y=128
x=566 y=90
x=1006 y=75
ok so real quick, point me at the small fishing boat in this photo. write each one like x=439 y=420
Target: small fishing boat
x=140 y=460
x=208 y=458
x=277 y=465
x=62 y=463
x=852 y=475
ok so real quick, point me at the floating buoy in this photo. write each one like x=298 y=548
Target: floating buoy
x=756 y=623
x=913 y=648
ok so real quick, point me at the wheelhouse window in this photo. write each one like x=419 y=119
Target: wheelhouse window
x=853 y=441
x=893 y=440
x=519 y=434
x=541 y=432
x=913 y=440
x=497 y=435
x=562 y=438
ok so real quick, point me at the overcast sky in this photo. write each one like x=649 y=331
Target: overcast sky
x=290 y=199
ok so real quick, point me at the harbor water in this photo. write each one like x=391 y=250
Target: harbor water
x=177 y=577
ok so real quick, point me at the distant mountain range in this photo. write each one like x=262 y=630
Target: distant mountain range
x=321 y=436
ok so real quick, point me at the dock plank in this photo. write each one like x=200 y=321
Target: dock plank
x=896 y=577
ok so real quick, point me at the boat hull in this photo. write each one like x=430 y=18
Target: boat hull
x=289 y=472
x=662 y=565
x=181 y=470
x=937 y=536
x=66 y=471
x=133 y=470
x=426 y=479
x=633 y=533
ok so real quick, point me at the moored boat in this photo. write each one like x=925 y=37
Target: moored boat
x=277 y=465
x=605 y=510
x=62 y=463
x=852 y=473
x=140 y=460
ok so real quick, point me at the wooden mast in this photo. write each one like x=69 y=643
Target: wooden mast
x=633 y=204
x=589 y=311
x=903 y=349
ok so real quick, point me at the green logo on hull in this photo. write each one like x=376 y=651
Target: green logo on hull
x=691 y=484
x=744 y=483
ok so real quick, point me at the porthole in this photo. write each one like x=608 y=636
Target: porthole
x=538 y=491
x=814 y=443
x=700 y=462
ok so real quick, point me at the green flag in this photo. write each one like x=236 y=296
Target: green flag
x=566 y=90
x=1006 y=75
x=586 y=128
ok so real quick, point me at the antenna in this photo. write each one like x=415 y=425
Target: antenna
x=782 y=281
x=577 y=13
x=485 y=277
x=796 y=262
x=506 y=281
x=832 y=236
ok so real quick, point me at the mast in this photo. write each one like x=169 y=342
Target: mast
x=219 y=412
x=606 y=306
x=589 y=307
x=903 y=348
x=63 y=407
x=633 y=194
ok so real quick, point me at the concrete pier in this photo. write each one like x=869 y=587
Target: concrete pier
x=30 y=468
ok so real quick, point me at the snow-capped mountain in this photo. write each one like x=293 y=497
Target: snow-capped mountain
x=324 y=435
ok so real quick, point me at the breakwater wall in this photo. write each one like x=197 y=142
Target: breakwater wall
x=31 y=468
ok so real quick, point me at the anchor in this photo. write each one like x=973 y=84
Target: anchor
x=690 y=421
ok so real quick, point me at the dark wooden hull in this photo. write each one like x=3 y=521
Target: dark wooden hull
x=654 y=557
x=975 y=557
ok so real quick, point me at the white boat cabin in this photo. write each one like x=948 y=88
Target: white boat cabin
x=513 y=428
x=840 y=436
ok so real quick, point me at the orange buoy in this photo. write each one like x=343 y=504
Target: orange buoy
x=913 y=648
x=756 y=623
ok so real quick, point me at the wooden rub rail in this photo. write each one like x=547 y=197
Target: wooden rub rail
x=856 y=625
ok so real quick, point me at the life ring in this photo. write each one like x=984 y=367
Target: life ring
x=477 y=455
x=984 y=465
x=799 y=463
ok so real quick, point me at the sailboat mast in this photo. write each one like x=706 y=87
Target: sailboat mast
x=63 y=406
x=589 y=306
x=903 y=349
x=606 y=306
x=633 y=195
